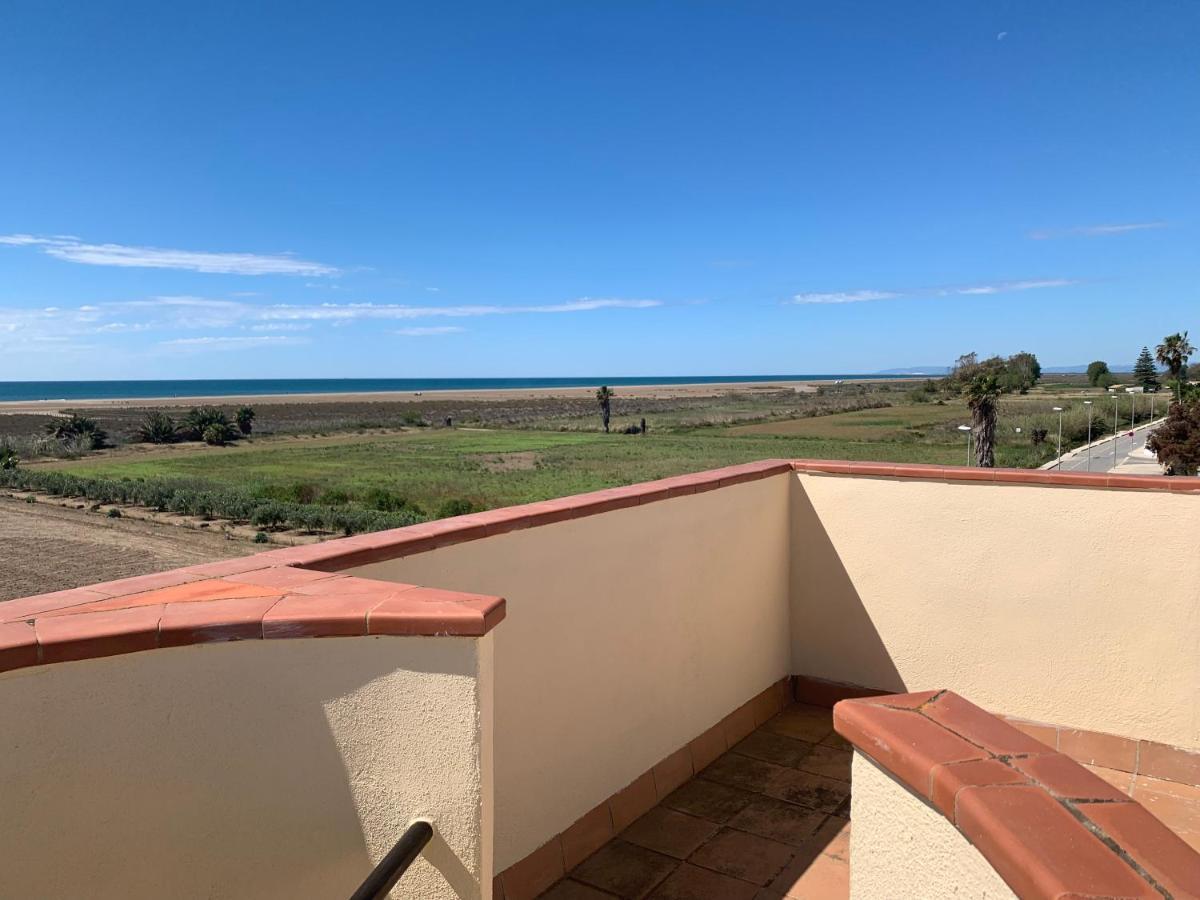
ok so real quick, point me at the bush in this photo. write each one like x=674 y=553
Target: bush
x=384 y=500
x=200 y=418
x=217 y=435
x=261 y=538
x=8 y=457
x=78 y=432
x=114 y=513
x=156 y=428
x=245 y=419
x=269 y=515
x=456 y=507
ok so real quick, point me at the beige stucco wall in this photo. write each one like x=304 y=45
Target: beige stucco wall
x=627 y=634
x=900 y=846
x=263 y=769
x=1074 y=606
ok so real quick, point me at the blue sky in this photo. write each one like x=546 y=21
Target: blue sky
x=591 y=188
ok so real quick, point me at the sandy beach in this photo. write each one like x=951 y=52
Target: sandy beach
x=651 y=391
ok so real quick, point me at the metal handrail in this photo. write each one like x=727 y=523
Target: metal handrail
x=390 y=869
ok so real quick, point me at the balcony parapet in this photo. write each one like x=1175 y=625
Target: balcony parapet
x=1045 y=824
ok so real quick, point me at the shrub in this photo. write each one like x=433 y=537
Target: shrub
x=8 y=457
x=455 y=507
x=217 y=435
x=200 y=418
x=156 y=428
x=261 y=538
x=114 y=513
x=77 y=431
x=269 y=515
x=383 y=500
x=245 y=419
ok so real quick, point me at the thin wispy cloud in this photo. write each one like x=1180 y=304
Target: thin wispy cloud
x=1046 y=234
x=867 y=296
x=428 y=331
x=77 y=251
x=270 y=324
x=232 y=342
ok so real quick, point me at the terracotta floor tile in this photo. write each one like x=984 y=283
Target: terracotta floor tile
x=745 y=772
x=831 y=762
x=1175 y=805
x=774 y=748
x=690 y=882
x=1122 y=781
x=805 y=723
x=745 y=856
x=820 y=878
x=670 y=832
x=574 y=890
x=779 y=821
x=627 y=870
x=709 y=800
x=813 y=791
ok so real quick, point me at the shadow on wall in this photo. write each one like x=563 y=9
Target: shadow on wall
x=833 y=637
x=195 y=772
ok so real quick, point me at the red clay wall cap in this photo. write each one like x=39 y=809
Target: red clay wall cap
x=1048 y=826
x=238 y=599
x=999 y=476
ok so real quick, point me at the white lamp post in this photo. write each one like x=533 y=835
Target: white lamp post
x=1088 y=404
x=1059 y=410
x=967 y=430
x=1116 y=426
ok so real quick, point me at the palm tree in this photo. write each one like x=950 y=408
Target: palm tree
x=982 y=392
x=1173 y=353
x=604 y=397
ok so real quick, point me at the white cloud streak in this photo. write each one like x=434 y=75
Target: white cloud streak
x=428 y=331
x=74 y=250
x=231 y=342
x=866 y=296
x=1047 y=234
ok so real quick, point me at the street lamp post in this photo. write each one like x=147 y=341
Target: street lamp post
x=1059 y=410
x=1088 y=404
x=967 y=430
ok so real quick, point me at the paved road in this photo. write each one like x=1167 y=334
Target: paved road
x=1131 y=455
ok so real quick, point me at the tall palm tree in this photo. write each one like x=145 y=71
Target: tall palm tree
x=1173 y=353
x=604 y=397
x=982 y=392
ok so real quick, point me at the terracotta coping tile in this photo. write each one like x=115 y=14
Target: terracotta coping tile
x=140 y=583
x=875 y=469
x=18 y=646
x=949 y=779
x=1163 y=854
x=66 y=638
x=1040 y=849
x=281 y=577
x=216 y=620
x=302 y=615
x=235 y=566
x=191 y=592
x=914 y=700
x=967 y=720
x=1044 y=734
x=31 y=607
x=902 y=741
x=430 y=611
x=1049 y=827
x=1067 y=779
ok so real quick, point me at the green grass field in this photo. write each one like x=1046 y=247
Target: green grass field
x=489 y=468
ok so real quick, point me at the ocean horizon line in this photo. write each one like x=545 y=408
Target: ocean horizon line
x=121 y=389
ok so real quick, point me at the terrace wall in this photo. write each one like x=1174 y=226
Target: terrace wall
x=1078 y=606
x=271 y=769
x=628 y=633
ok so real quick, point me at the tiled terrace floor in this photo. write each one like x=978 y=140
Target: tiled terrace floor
x=768 y=820
x=1176 y=805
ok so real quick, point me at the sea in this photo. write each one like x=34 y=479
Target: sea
x=15 y=391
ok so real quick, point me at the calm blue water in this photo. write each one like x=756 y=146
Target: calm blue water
x=232 y=387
